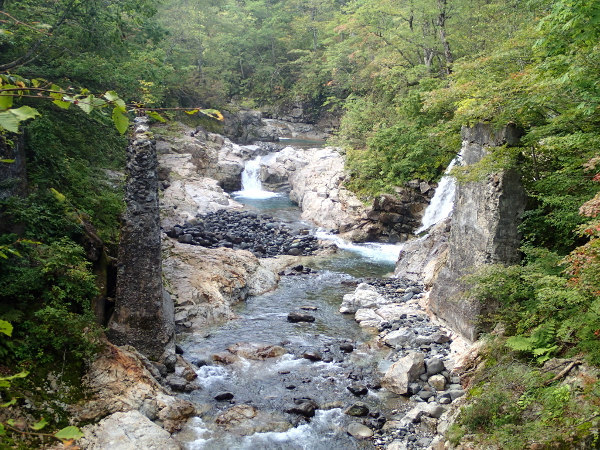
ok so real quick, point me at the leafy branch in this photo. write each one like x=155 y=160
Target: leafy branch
x=14 y=87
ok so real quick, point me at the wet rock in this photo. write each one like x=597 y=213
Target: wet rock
x=358 y=409
x=178 y=350
x=347 y=347
x=359 y=431
x=312 y=356
x=235 y=415
x=358 y=389
x=309 y=308
x=223 y=396
x=256 y=351
x=403 y=372
x=304 y=407
x=296 y=317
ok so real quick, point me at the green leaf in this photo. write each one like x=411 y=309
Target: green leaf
x=121 y=120
x=6 y=328
x=62 y=104
x=10 y=119
x=2 y=430
x=15 y=376
x=156 y=116
x=39 y=425
x=7 y=161
x=58 y=196
x=6 y=101
x=111 y=96
x=68 y=433
x=7 y=404
x=86 y=104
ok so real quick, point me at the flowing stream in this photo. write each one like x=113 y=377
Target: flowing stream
x=272 y=385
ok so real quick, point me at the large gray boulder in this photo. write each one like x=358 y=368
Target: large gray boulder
x=484 y=230
x=129 y=430
x=365 y=296
x=403 y=372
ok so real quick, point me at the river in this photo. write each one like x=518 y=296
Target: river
x=272 y=385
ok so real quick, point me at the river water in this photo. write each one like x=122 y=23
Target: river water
x=271 y=386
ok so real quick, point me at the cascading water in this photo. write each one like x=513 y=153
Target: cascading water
x=442 y=203
x=251 y=184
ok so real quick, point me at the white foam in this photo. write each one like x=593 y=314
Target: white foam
x=251 y=185
x=372 y=250
x=442 y=203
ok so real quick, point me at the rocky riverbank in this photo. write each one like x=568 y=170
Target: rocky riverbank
x=422 y=366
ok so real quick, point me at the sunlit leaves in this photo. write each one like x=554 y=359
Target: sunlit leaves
x=11 y=118
x=69 y=433
x=6 y=328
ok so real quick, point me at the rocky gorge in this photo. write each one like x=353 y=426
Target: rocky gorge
x=392 y=382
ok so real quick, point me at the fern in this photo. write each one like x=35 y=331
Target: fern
x=541 y=344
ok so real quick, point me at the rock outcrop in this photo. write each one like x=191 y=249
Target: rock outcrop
x=205 y=284
x=484 y=229
x=127 y=431
x=247 y=126
x=422 y=259
x=120 y=381
x=315 y=181
x=144 y=315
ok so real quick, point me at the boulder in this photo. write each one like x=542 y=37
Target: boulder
x=359 y=431
x=126 y=431
x=205 y=283
x=256 y=351
x=365 y=296
x=401 y=338
x=358 y=409
x=120 y=381
x=296 y=317
x=404 y=371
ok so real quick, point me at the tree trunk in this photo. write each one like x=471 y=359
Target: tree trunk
x=442 y=4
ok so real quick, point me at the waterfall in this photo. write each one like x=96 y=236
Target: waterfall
x=251 y=184
x=442 y=203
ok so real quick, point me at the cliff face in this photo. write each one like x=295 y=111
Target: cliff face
x=13 y=175
x=143 y=315
x=484 y=229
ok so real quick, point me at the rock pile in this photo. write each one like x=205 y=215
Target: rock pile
x=260 y=234
x=419 y=368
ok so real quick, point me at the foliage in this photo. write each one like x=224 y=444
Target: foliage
x=47 y=294
x=513 y=406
